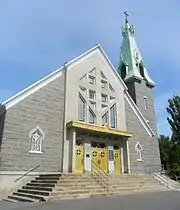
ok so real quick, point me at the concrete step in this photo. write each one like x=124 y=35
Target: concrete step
x=18 y=198
x=88 y=187
x=49 y=189
x=45 y=181
x=76 y=180
x=119 y=189
x=81 y=196
x=130 y=178
x=47 y=178
x=129 y=175
x=78 y=186
x=77 y=192
x=10 y=200
x=50 y=175
x=29 y=195
x=34 y=192
x=75 y=175
x=130 y=181
x=133 y=184
x=71 y=184
x=40 y=184
x=138 y=191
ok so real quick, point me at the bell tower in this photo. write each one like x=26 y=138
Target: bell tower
x=134 y=73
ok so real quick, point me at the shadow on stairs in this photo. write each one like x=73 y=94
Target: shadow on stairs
x=38 y=190
x=73 y=186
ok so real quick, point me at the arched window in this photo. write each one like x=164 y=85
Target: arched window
x=36 y=139
x=123 y=71
x=141 y=69
x=81 y=108
x=139 y=150
x=113 y=116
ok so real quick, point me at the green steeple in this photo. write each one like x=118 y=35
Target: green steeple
x=131 y=64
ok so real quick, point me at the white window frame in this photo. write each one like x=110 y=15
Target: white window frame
x=139 y=152
x=94 y=116
x=145 y=102
x=107 y=117
x=103 y=76
x=113 y=109
x=104 y=84
x=111 y=88
x=92 y=80
x=94 y=94
x=33 y=134
x=105 y=97
x=84 y=117
x=93 y=105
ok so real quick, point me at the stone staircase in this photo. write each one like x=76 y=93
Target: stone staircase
x=134 y=183
x=38 y=190
x=71 y=186
x=77 y=186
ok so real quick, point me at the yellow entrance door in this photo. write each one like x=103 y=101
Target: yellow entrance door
x=95 y=155
x=79 y=157
x=117 y=159
x=103 y=159
x=99 y=155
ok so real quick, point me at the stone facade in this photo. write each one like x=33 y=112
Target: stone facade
x=139 y=92
x=43 y=108
x=150 y=153
x=97 y=61
x=56 y=103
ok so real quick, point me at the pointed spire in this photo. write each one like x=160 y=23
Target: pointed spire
x=131 y=64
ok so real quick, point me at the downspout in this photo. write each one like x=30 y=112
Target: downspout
x=64 y=116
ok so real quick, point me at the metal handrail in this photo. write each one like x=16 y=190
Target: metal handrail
x=25 y=174
x=98 y=171
x=100 y=168
x=101 y=174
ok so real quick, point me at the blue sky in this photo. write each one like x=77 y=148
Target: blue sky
x=37 y=37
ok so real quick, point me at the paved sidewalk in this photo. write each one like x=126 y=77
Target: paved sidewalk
x=149 y=201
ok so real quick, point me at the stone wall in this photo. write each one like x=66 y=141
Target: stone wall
x=43 y=108
x=151 y=157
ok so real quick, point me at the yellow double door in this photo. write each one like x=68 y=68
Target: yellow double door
x=99 y=156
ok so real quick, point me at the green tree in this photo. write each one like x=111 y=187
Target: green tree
x=169 y=152
x=174 y=118
x=166 y=147
x=170 y=147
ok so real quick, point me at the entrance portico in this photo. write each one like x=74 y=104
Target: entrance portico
x=103 y=145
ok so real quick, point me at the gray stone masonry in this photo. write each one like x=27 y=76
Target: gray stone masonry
x=45 y=109
x=138 y=91
x=151 y=157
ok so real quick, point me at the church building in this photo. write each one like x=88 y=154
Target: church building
x=86 y=111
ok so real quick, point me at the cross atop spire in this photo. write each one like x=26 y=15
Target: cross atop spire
x=126 y=16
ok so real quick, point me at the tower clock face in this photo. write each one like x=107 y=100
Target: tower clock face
x=135 y=54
